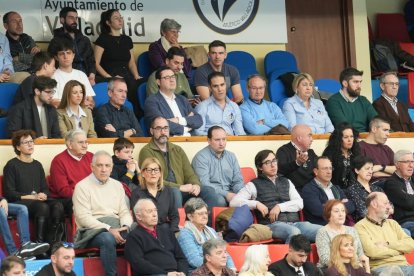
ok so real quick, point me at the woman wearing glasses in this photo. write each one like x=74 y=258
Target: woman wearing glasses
x=25 y=183
x=152 y=187
x=114 y=55
x=71 y=111
x=196 y=232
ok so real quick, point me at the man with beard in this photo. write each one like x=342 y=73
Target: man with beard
x=22 y=46
x=374 y=147
x=62 y=261
x=177 y=171
x=84 y=57
x=36 y=112
x=348 y=105
x=383 y=239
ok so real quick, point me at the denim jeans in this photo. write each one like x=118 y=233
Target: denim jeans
x=22 y=215
x=106 y=243
x=409 y=225
x=285 y=231
x=206 y=193
x=408 y=270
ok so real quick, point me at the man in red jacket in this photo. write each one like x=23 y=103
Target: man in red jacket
x=69 y=167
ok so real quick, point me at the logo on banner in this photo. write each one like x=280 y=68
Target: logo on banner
x=227 y=16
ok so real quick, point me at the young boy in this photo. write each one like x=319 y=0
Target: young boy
x=125 y=168
x=64 y=55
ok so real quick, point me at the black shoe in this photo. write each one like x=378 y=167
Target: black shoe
x=31 y=258
x=33 y=249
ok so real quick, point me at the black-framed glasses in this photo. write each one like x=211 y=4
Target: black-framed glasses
x=172 y=77
x=268 y=162
x=150 y=171
x=50 y=92
x=26 y=143
x=158 y=128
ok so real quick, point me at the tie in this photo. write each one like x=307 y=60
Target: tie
x=299 y=273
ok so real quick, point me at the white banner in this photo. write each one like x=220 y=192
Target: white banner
x=233 y=21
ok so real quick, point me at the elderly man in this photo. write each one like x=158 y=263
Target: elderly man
x=22 y=46
x=374 y=147
x=217 y=54
x=69 y=167
x=84 y=57
x=389 y=107
x=151 y=250
x=383 y=239
x=181 y=117
x=177 y=170
x=62 y=260
x=261 y=116
x=399 y=188
x=215 y=258
x=295 y=263
x=318 y=191
x=296 y=158
x=218 y=109
x=217 y=167
x=175 y=61
x=113 y=119
x=348 y=105
x=102 y=216
x=36 y=112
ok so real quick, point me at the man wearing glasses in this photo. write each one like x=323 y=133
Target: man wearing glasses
x=113 y=119
x=389 y=107
x=62 y=261
x=399 y=188
x=177 y=171
x=36 y=113
x=182 y=119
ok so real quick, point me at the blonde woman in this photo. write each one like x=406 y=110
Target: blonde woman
x=302 y=108
x=256 y=261
x=71 y=111
x=152 y=187
x=343 y=259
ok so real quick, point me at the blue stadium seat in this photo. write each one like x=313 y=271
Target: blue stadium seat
x=142 y=94
x=277 y=92
x=243 y=85
x=7 y=93
x=3 y=128
x=144 y=127
x=243 y=61
x=101 y=91
x=402 y=90
x=277 y=63
x=328 y=85
x=144 y=65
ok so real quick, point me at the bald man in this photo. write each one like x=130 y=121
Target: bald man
x=296 y=159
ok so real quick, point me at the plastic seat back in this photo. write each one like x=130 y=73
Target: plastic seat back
x=144 y=65
x=101 y=94
x=7 y=93
x=243 y=61
x=277 y=63
x=142 y=94
x=328 y=85
x=277 y=92
x=248 y=174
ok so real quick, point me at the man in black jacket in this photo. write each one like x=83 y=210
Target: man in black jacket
x=84 y=57
x=295 y=263
x=151 y=250
x=62 y=261
x=35 y=112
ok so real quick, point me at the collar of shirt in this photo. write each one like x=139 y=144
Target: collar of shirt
x=215 y=154
x=215 y=101
x=114 y=108
x=346 y=98
x=152 y=232
x=255 y=102
x=329 y=187
x=98 y=181
x=71 y=113
x=296 y=147
x=375 y=222
x=168 y=98
x=392 y=101
x=74 y=157
x=402 y=178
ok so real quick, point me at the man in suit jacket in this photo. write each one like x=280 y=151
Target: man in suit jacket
x=182 y=119
x=389 y=107
x=35 y=112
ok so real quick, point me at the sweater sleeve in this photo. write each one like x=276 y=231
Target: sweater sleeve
x=190 y=248
x=323 y=245
x=59 y=179
x=335 y=110
x=9 y=178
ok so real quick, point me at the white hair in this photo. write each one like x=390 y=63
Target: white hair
x=255 y=259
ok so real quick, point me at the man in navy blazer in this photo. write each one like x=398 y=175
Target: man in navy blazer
x=182 y=118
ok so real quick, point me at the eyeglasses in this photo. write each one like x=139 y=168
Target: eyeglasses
x=29 y=142
x=254 y=88
x=268 y=162
x=151 y=171
x=118 y=18
x=174 y=31
x=172 y=77
x=83 y=143
x=392 y=83
x=202 y=213
x=50 y=92
x=411 y=162
x=158 y=128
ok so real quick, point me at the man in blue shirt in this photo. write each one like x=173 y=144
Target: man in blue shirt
x=260 y=116
x=218 y=109
x=218 y=168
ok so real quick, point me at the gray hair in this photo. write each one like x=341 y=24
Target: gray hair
x=249 y=78
x=100 y=153
x=169 y=24
x=194 y=204
x=386 y=74
x=70 y=136
x=138 y=205
x=111 y=83
x=212 y=244
x=399 y=154
x=255 y=259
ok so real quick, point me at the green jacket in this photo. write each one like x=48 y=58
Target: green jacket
x=182 y=85
x=184 y=173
